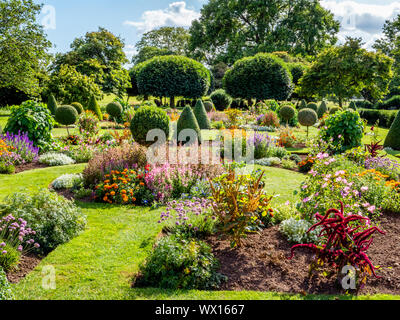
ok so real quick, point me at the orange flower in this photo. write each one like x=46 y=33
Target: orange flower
x=112 y=193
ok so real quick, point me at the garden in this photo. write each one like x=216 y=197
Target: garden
x=279 y=179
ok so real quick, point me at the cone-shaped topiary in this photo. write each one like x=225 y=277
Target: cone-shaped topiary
x=78 y=107
x=52 y=104
x=393 y=137
x=303 y=104
x=94 y=106
x=66 y=115
x=353 y=106
x=322 y=109
x=114 y=109
x=209 y=106
x=187 y=120
x=313 y=106
x=287 y=113
x=307 y=118
x=201 y=116
x=148 y=118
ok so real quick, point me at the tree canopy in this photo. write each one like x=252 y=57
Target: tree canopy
x=345 y=71
x=230 y=29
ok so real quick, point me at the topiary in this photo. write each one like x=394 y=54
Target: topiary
x=344 y=130
x=263 y=76
x=287 y=113
x=313 y=106
x=209 y=106
x=188 y=120
x=94 y=106
x=322 y=109
x=5 y=287
x=353 y=106
x=333 y=110
x=307 y=117
x=66 y=115
x=303 y=104
x=148 y=118
x=78 y=107
x=52 y=104
x=201 y=116
x=221 y=99
x=393 y=138
x=35 y=119
x=114 y=109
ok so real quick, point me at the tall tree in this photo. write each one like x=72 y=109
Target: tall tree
x=173 y=39
x=99 y=54
x=346 y=71
x=236 y=28
x=146 y=53
x=23 y=47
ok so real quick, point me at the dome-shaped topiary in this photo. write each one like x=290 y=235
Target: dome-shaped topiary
x=322 y=109
x=66 y=115
x=148 y=118
x=78 y=107
x=52 y=104
x=333 y=110
x=114 y=109
x=201 y=116
x=209 y=106
x=393 y=137
x=94 y=106
x=287 y=113
x=221 y=99
x=188 y=120
x=313 y=106
x=307 y=117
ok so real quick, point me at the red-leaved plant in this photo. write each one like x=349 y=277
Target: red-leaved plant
x=345 y=242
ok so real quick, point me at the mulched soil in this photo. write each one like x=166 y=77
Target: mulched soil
x=26 y=265
x=29 y=166
x=261 y=264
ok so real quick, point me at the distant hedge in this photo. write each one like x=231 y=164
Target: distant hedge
x=385 y=117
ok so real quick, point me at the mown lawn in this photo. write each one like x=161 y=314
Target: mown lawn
x=100 y=263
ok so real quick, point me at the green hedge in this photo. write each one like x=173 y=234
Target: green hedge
x=385 y=117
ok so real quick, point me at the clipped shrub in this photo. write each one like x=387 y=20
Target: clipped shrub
x=66 y=115
x=364 y=104
x=353 y=106
x=148 y=118
x=52 y=104
x=322 y=109
x=313 y=106
x=303 y=104
x=385 y=117
x=5 y=287
x=393 y=138
x=177 y=263
x=333 y=110
x=391 y=104
x=307 y=117
x=55 y=219
x=221 y=99
x=263 y=76
x=188 y=120
x=78 y=107
x=94 y=107
x=38 y=126
x=344 y=130
x=287 y=113
x=209 y=106
x=114 y=109
x=201 y=116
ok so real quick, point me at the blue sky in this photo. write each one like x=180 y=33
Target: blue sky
x=67 y=19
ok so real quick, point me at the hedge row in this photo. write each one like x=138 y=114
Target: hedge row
x=385 y=117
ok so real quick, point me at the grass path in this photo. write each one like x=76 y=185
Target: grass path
x=100 y=263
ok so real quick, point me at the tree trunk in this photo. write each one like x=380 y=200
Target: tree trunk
x=341 y=102
x=172 y=102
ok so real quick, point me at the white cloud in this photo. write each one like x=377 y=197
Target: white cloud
x=177 y=14
x=130 y=51
x=360 y=19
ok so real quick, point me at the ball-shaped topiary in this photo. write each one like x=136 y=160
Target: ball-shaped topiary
x=201 y=116
x=78 y=107
x=307 y=117
x=148 y=118
x=313 y=106
x=333 y=110
x=287 y=113
x=172 y=76
x=221 y=99
x=66 y=115
x=209 y=106
x=322 y=109
x=114 y=109
x=393 y=138
x=188 y=120
x=261 y=77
